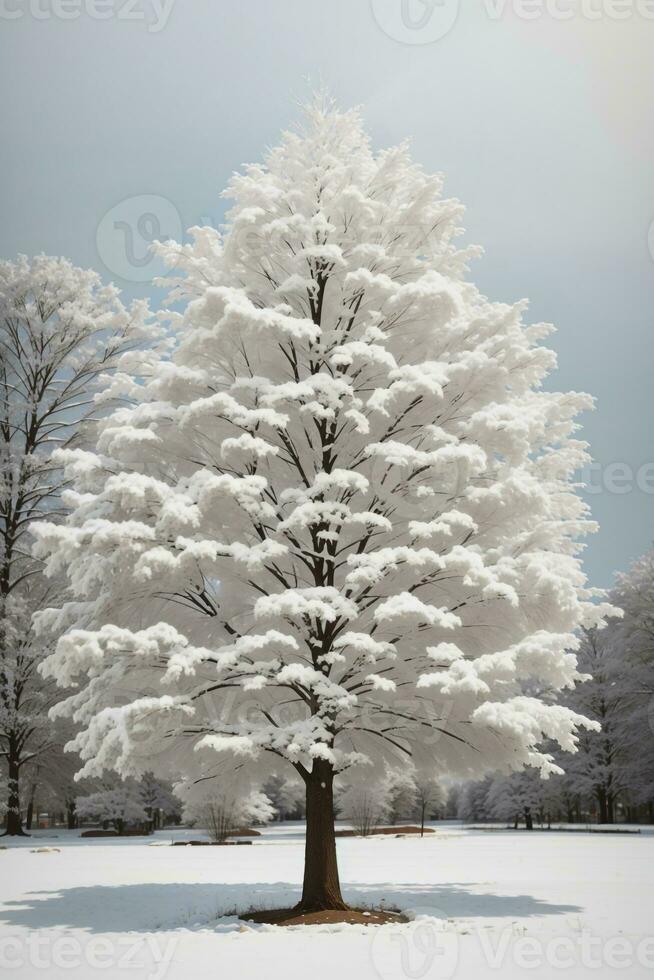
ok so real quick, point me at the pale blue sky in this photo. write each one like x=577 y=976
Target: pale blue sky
x=542 y=127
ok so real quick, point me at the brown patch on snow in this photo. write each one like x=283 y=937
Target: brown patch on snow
x=294 y=917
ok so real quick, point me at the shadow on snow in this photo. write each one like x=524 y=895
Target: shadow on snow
x=180 y=905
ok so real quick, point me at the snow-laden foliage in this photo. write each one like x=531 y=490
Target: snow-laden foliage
x=366 y=805
x=338 y=525
x=159 y=800
x=121 y=805
x=472 y=804
x=61 y=332
x=598 y=771
x=431 y=797
x=402 y=794
x=615 y=767
x=287 y=795
x=611 y=776
x=631 y=642
x=224 y=814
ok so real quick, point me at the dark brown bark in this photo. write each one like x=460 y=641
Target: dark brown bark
x=321 y=889
x=14 y=822
x=529 y=820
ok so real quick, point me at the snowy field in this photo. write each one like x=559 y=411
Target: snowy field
x=502 y=905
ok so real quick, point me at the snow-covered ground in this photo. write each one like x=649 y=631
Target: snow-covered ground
x=502 y=905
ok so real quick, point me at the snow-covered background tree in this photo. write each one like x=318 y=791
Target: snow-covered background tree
x=611 y=776
x=402 y=794
x=338 y=527
x=430 y=798
x=121 y=804
x=287 y=795
x=61 y=330
x=366 y=804
x=160 y=803
x=223 y=815
x=598 y=769
x=631 y=642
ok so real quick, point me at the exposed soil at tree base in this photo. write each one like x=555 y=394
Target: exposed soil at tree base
x=294 y=917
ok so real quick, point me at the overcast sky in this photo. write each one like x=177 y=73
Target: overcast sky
x=123 y=121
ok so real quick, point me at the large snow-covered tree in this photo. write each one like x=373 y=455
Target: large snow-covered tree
x=338 y=526
x=61 y=330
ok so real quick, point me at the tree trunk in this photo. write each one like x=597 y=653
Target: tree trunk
x=529 y=820
x=71 y=815
x=422 y=819
x=14 y=823
x=321 y=889
x=30 y=814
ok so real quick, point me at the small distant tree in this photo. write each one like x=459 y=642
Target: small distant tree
x=287 y=795
x=402 y=794
x=473 y=801
x=516 y=797
x=452 y=795
x=224 y=815
x=121 y=805
x=159 y=800
x=339 y=524
x=430 y=798
x=366 y=804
